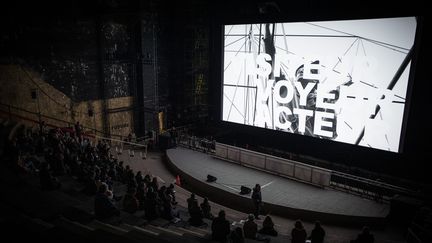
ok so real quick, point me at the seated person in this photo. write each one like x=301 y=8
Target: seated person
x=155 y=184
x=138 y=177
x=103 y=206
x=31 y=164
x=237 y=236
x=171 y=192
x=90 y=183
x=151 y=207
x=250 y=229
x=191 y=200
x=141 y=194
x=206 y=209
x=47 y=181
x=317 y=234
x=268 y=227
x=130 y=202
x=298 y=233
x=196 y=215
x=220 y=227
x=169 y=212
x=364 y=237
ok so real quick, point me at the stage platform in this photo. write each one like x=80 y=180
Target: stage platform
x=281 y=196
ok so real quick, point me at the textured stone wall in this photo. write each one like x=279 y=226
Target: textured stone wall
x=55 y=107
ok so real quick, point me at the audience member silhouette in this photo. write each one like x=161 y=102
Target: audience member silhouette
x=109 y=193
x=196 y=214
x=42 y=128
x=365 y=236
x=89 y=180
x=206 y=209
x=162 y=194
x=268 y=227
x=250 y=230
x=257 y=200
x=155 y=184
x=171 y=193
x=236 y=235
x=169 y=212
x=78 y=129
x=141 y=194
x=31 y=165
x=112 y=171
x=298 y=233
x=47 y=181
x=147 y=180
x=130 y=202
x=190 y=201
x=317 y=234
x=139 y=177
x=104 y=208
x=151 y=205
x=120 y=171
x=220 y=227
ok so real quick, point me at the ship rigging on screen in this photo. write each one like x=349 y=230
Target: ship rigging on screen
x=345 y=81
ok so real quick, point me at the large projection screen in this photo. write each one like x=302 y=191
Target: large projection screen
x=345 y=81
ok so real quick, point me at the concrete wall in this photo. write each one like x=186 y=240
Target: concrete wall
x=17 y=85
x=280 y=166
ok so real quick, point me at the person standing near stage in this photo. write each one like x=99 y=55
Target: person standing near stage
x=257 y=200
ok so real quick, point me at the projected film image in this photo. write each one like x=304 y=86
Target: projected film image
x=345 y=81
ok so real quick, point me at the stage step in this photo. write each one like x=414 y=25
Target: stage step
x=190 y=231
x=160 y=222
x=107 y=227
x=162 y=229
x=73 y=226
x=129 y=228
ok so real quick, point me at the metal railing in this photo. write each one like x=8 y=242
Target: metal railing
x=34 y=117
x=116 y=141
x=373 y=189
x=196 y=143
